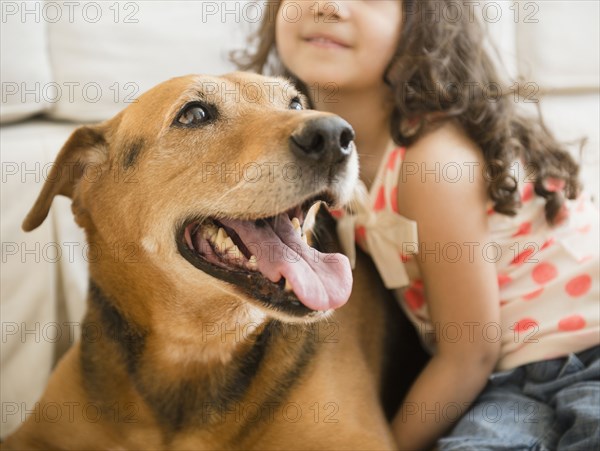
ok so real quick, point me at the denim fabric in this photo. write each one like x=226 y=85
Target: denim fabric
x=547 y=405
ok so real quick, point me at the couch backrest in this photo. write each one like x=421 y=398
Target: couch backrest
x=83 y=61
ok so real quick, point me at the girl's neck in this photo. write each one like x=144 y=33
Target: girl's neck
x=368 y=111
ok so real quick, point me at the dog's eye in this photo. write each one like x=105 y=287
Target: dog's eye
x=193 y=114
x=295 y=104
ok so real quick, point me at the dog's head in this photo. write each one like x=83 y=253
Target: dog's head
x=209 y=181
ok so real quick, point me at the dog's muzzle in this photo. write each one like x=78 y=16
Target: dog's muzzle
x=270 y=257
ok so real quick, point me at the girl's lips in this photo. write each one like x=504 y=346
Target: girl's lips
x=324 y=41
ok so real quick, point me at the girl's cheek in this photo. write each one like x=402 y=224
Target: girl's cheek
x=283 y=41
x=287 y=34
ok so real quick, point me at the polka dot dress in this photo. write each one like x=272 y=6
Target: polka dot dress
x=548 y=277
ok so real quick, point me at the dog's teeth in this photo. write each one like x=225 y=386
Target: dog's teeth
x=206 y=233
x=288 y=285
x=228 y=244
x=222 y=234
x=235 y=252
x=252 y=263
x=311 y=215
x=221 y=237
x=211 y=232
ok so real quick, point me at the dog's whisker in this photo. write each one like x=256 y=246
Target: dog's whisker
x=195 y=229
x=237 y=186
x=229 y=292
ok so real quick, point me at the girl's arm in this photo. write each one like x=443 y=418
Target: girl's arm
x=442 y=187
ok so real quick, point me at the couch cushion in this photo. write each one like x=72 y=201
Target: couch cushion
x=112 y=52
x=573 y=118
x=498 y=21
x=559 y=44
x=44 y=273
x=25 y=69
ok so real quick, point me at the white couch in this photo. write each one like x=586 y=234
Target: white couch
x=87 y=64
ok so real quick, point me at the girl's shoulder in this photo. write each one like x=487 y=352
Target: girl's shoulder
x=442 y=171
x=444 y=143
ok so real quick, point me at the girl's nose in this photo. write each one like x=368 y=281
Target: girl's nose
x=330 y=11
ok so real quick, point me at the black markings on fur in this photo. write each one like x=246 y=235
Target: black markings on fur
x=89 y=366
x=193 y=401
x=200 y=398
x=129 y=338
x=133 y=151
x=105 y=321
x=219 y=397
x=281 y=383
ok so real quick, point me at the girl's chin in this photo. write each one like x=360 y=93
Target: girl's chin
x=324 y=78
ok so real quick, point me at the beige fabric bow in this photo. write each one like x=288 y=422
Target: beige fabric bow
x=388 y=235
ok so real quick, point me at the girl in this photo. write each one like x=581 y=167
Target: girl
x=470 y=210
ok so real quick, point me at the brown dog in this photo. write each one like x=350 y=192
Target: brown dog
x=210 y=322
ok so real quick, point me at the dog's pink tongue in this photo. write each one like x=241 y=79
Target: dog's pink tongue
x=320 y=281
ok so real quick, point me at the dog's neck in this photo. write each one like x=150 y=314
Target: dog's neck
x=190 y=393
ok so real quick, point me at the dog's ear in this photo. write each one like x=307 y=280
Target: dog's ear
x=86 y=145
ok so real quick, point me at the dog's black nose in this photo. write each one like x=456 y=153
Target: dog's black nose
x=323 y=140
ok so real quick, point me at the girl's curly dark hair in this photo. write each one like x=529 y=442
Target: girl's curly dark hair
x=441 y=69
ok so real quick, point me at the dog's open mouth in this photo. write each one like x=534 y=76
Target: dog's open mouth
x=270 y=259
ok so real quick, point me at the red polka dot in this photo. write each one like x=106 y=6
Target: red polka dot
x=394 y=198
x=404 y=258
x=549 y=242
x=523 y=256
x=380 y=200
x=337 y=213
x=391 y=163
x=585 y=229
x=553 y=184
x=418 y=284
x=525 y=324
x=544 y=273
x=524 y=229
x=578 y=286
x=414 y=298
x=527 y=193
x=570 y=323
x=503 y=279
x=533 y=294
x=361 y=234
x=490 y=211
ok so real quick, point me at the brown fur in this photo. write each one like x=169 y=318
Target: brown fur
x=161 y=379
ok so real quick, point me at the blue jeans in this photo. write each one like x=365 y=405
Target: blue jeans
x=547 y=405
